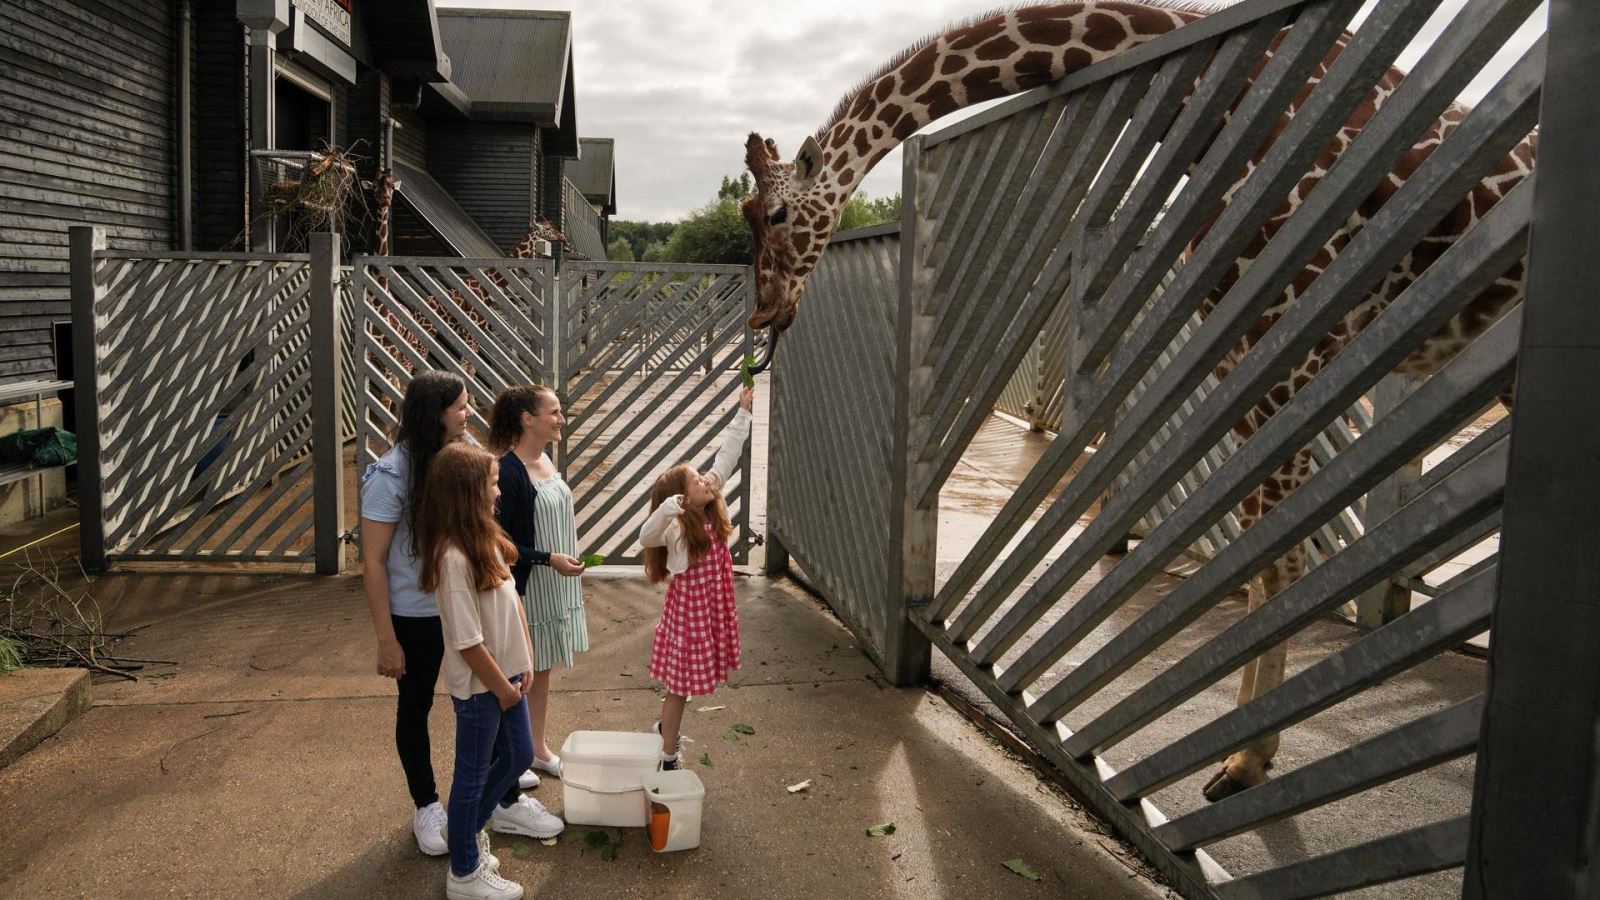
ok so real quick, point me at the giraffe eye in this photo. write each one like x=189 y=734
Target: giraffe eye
x=779 y=215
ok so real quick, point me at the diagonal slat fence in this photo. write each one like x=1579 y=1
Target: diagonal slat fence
x=1109 y=207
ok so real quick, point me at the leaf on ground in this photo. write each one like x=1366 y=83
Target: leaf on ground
x=742 y=728
x=1021 y=868
x=884 y=830
x=710 y=708
x=705 y=760
x=609 y=854
x=596 y=838
x=797 y=788
x=731 y=736
x=550 y=841
x=522 y=849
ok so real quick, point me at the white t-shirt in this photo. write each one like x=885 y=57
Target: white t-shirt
x=470 y=617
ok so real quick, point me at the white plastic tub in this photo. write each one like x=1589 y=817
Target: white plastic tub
x=675 y=801
x=602 y=775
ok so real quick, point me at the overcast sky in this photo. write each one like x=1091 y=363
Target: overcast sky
x=679 y=85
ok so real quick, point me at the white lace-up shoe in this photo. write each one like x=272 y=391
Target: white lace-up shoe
x=526 y=817
x=484 y=884
x=428 y=825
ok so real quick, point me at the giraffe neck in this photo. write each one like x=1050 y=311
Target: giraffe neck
x=995 y=56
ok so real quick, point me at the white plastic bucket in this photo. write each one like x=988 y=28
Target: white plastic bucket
x=674 y=801
x=602 y=774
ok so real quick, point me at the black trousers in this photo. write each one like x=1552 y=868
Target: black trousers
x=422 y=641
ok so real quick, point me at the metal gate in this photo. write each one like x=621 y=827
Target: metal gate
x=644 y=357
x=648 y=372
x=208 y=404
x=1084 y=197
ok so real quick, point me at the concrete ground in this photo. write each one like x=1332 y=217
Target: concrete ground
x=261 y=764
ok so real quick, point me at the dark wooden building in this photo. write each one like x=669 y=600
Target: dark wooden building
x=160 y=120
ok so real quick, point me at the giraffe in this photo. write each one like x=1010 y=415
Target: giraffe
x=797 y=205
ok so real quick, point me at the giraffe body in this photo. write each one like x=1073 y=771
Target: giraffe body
x=797 y=206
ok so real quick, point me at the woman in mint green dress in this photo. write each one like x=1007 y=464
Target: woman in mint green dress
x=536 y=512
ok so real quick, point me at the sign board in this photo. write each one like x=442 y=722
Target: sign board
x=332 y=16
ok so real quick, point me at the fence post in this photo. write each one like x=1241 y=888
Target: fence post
x=1383 y=603
x=1536 y=806
x=83 y=241
x=327 y=412
x=913 y=529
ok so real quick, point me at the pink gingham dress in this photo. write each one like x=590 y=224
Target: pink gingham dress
x=696 y=643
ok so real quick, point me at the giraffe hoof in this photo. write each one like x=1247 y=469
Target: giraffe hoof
x=1223 y=785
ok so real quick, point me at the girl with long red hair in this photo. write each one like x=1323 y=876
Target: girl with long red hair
x=488 y=664
x=696 y=643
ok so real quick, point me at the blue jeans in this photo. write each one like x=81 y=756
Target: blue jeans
x=493 y=747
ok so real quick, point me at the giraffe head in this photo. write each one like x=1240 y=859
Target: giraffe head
x=790 y=218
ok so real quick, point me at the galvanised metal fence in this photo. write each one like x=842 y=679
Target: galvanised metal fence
x=207 y=405
x=649 y=372
x=1062 y=187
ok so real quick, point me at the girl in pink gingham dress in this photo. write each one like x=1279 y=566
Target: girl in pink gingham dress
x=696 y=645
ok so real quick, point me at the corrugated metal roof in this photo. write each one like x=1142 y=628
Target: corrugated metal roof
x=510 y=61
x=596 y=173
x=443 y=215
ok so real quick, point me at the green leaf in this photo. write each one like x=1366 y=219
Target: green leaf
x=744 y=371
x=743 y=728
x=609 y=854
x=592 y=560
x=596 y=838
x=705 y=760
x=731 y=736
x=884 y=830
x=522 y=849
x=1021 y=868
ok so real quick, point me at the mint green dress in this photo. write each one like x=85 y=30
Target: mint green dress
x=555 y=601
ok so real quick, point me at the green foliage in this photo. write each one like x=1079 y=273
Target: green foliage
x=11 y=655
x=619 y=250
x=639 y=235
x=715 y=233
x=655 y=252
x=862 y=211
x=736 y=188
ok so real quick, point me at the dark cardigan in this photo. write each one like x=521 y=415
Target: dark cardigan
x=515 y=513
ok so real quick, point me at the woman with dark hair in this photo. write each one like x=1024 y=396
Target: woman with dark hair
x=536 y=511
x=433 y=414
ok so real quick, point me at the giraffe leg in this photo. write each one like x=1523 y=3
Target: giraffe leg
x=1248 y=766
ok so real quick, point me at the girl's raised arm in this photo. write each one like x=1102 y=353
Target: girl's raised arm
x=733 y=442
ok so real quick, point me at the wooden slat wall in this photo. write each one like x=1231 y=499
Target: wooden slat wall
x=86 y=124
x=410 y=139
x=488 y=168
x=552 y=173
x=219 y=122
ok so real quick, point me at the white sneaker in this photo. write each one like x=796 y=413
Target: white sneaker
x=551 y=766
x=526 y=817
x=428 y=825
x=484 y=884
x=528 y=780
x=485 y=855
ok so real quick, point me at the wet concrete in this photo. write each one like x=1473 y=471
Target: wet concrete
x=999 y=457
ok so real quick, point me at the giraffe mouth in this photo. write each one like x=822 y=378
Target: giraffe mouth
x=766 y=350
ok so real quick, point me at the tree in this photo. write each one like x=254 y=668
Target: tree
x=656 y=252
x=715 y=233
x=736 y=188
x=619 y=250
x=640 y=235
x=862 y=211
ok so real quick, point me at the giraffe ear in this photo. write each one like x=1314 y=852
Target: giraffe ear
x=808 y=162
